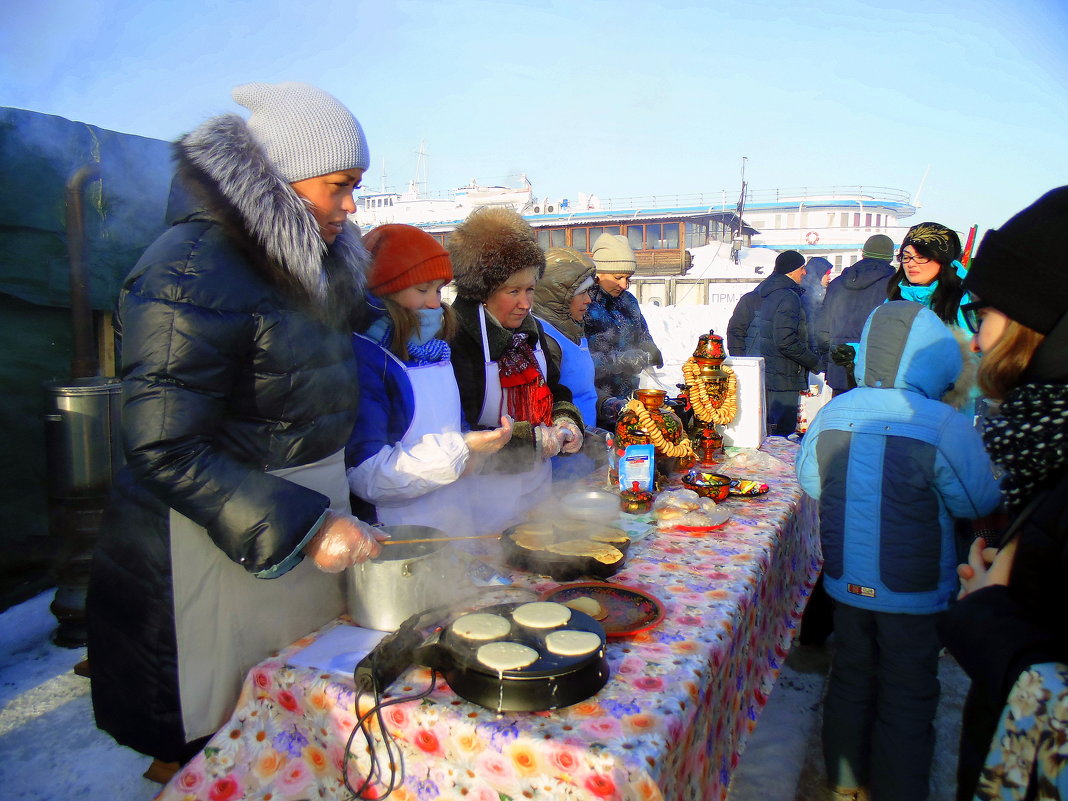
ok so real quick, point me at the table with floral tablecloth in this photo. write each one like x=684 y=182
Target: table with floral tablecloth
x=671 y=722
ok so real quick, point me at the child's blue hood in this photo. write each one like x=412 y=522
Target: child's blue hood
x=906 y=346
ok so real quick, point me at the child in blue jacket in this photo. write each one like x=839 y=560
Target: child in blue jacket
x=892 y=467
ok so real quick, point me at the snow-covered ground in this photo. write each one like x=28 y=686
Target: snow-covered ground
x=50 y=749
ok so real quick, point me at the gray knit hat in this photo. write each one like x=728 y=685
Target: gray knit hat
x=878 y=246
x=613 y=255
x=305 y=131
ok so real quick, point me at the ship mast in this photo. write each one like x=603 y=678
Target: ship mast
x=422 y=171
x=736 y=240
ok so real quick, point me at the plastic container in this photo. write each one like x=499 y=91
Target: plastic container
x=593 y=506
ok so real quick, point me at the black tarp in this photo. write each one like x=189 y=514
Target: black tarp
x=124 y=212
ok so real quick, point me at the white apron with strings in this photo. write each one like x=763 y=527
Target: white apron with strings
x=500 y=500
x=437 y=411
x=227 y=620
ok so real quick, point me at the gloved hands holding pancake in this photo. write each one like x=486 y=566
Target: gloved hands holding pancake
x=570 y=434
x=343 y=541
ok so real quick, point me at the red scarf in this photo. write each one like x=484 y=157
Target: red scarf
x=527 y=396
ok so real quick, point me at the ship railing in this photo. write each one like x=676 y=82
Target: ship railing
x=726 y=200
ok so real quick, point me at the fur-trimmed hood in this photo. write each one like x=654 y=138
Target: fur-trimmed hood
x=565 y=271
x=488 y=248
x=229 y=174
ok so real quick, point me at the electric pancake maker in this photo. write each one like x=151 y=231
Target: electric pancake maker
x=551 y=681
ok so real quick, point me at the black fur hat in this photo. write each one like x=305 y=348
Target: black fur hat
x=488 y=248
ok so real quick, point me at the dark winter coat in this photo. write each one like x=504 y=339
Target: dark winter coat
x=815 y=292
x=997 y=632
x=779 y=333
x=235 y=361
x=850 y=298
x=468 y=364
x=893 y=467
x=615 y=327
x=738 y=327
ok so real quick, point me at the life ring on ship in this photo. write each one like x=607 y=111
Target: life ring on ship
x=812 y=237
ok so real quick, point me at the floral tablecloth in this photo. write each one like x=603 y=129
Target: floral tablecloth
x=670 y=724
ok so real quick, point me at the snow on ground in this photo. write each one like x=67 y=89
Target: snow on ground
x=50 y=748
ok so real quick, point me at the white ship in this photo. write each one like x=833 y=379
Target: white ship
x=697 y=249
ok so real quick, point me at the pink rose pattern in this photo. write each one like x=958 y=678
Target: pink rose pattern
x=670 y=724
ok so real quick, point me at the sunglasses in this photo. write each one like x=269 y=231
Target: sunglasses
x=970 y=313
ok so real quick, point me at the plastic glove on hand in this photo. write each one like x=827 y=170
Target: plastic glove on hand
x=843 y=355
x=548 y=441
x=487 y=442
x=343 y=541
x=571 y=435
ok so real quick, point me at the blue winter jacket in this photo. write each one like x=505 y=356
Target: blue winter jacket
x=892 y=466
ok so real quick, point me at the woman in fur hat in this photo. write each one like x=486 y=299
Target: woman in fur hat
x=239 y=393
x=1009 y=631
x=560 y=302
x=408 y=452
x=503 y=364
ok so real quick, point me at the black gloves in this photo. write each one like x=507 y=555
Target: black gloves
x=632 y=362
x=843 y=355
x=656 y=358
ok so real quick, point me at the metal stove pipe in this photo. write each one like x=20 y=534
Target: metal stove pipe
x=84 y=360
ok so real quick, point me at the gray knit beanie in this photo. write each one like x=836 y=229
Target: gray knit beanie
x=878 y=246
x=305 y=131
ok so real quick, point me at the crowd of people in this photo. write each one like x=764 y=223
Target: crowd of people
x=290 y=385
x=902 y=478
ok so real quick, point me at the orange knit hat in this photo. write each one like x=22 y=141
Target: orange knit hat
x=403 y=256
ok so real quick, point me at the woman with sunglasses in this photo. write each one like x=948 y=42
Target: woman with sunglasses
x=930 y=271
x=1009 y=631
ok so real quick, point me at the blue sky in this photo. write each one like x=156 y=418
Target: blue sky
x=616 y=98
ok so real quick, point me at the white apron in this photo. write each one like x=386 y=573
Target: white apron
x=502 y=500
x=228 y=620
x=437 y=410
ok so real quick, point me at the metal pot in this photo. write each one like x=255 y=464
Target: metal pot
x=405 y=579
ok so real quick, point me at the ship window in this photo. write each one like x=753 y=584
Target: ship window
x=558 y=237
x=790 y=221
x=543 y=240
x=838 y=261
x=878 y=221
x=778 y=221
x=578 y=238
x=634 y=237
x=830 y=220
x=845 y=220
x=852 y=260
x=696 y=235
x=596 y=232
x=671 y=236
x=867 y=221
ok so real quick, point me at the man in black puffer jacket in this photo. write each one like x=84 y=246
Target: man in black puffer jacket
x=850 y=298
x=779 y=333
x=239 y=394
